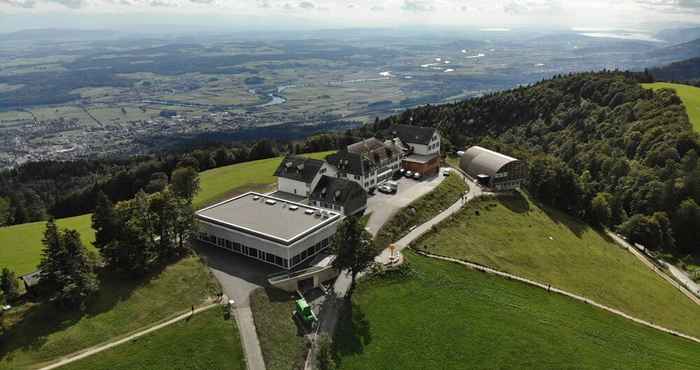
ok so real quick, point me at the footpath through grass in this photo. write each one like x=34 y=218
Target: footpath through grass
x=281 y=340
x=204 y=342
x=421 y=210
x=37 y=333
x=690 y=96
x=445 y=316
x=20 y=245
x=513 y=234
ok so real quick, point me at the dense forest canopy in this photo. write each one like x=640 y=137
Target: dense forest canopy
x=598 y=145
x=686 y=71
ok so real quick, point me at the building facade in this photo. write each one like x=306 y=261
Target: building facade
x=494 y=170
x=341 y=195
x=299 y=175
x=272 y=230
x=421 y=146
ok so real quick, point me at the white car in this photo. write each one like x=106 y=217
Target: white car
x=386 y=189
x=408 y=174
x=416 y=176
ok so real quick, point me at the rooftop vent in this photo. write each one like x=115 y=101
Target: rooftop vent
x=270 y=202
x=293 y=208
x=309 y=211
x=255 y=197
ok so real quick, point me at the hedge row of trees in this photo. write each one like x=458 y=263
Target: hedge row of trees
x=598 y=145
x=38 y=190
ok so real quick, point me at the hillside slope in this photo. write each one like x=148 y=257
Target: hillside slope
x=684 y=70
x=588 y=135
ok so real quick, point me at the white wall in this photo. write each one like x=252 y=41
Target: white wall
x=425 y=149
x=292 y=186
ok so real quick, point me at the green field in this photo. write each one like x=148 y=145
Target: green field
x=204 y=342
x=281 y=341
x=690 y=96
x=421 y=210
x=445 y=316
x=20 y=245
x=37 y=333
x=515 y=235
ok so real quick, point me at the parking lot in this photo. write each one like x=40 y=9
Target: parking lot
x=383 y=206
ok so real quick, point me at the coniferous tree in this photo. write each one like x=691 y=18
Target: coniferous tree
x=8 y=285
x=80 y=282
x=104 y=222
x=354 y=249
x=53 y=256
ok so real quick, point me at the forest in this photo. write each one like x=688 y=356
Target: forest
x=598 y=146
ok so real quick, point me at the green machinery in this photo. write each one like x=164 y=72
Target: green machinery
x=304 y=312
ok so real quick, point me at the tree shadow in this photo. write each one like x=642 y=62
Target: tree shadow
x=352 y=333
x=33 y=326
x=515 y=202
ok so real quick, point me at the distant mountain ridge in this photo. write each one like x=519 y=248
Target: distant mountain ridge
x=679 y=35
x=687 y=50
x=685 y=71
x=57 y=34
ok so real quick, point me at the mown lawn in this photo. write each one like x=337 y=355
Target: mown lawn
x=421 y=210
x=20 y=245
x=206 y=341
x=514 y=234
x=690 y=96
x=36 y=333
x=281 y=340
x=445 y=316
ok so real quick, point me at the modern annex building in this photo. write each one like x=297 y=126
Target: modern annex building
x=272 y=230
x=492 y=169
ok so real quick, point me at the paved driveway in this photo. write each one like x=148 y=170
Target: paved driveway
x=239 y=276
x=383 y=206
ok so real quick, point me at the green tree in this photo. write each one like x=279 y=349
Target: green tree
x=4 y=211
x=354 y=248
x=52 y=268
x=104 y=222
x=687 y=226
x=185 y=182
x=9 y=285
x=80 y=282
x=600 y=208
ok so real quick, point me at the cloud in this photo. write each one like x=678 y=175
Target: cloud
x=520 y=7
x=377 y=8
x=671 y=6
x=306 y=5
x=160 y=4
x=202 y=1
x=418 y=6
x=265 y=4
x=26 y=4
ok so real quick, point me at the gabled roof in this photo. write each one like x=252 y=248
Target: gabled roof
x=351 y=163
x=477 y=161
x=411 y=134
x=374 y=149
x=32 y=278
x=335 y=190
x=299 y=168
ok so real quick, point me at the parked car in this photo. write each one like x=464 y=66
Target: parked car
x=446 y=173
x=408 y=174
x=392 y=184
x=386 y=189
x=416 y=176
x=401 y=171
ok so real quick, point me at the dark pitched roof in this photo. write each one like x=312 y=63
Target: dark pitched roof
x=32 y=278
x=411 y=134
x=335 y=190
x=348 y=162
x=374 y=149
x=299 y=168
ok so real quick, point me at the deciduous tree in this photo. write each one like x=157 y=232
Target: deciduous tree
x=354 y=248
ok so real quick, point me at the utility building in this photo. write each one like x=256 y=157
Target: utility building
x=492 y=169
x=270 y=229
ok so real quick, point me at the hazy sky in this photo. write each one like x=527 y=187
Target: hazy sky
x=375 y=13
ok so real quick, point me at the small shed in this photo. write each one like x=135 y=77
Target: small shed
x=30 y=281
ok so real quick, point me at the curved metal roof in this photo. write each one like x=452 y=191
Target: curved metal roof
x=477 y=160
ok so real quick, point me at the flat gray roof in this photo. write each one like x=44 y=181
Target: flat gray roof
x=268 y=217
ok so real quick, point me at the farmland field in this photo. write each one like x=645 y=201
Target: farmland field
x=445 y=316
x=690 y=95
x=513 y=234
x=20 y=245
x=203 y=342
